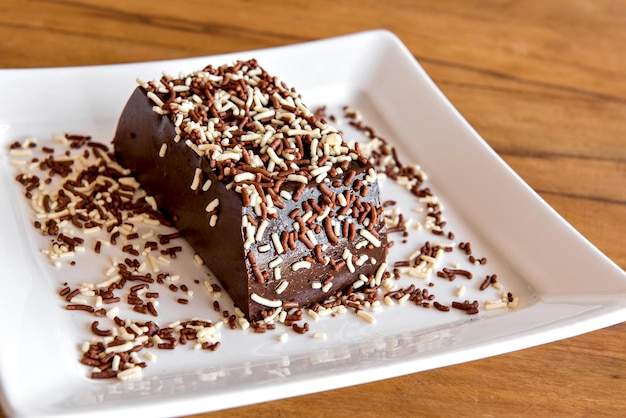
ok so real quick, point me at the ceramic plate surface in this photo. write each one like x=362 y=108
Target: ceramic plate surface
x=527 y=244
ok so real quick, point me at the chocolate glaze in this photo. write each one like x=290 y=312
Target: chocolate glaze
x=138 y=139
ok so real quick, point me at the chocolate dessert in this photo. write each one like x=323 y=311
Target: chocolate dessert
x=279 y=206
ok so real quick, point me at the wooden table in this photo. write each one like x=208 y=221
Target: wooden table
x=544 y=82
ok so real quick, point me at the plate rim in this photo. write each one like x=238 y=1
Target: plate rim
x=613 y=306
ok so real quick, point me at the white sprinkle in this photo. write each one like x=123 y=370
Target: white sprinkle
x=152 y=202
x=327 y=287
x=119 y=348
x=129 y=375
x=112 y=313
x=127 y=229
x=207 y=185
x=371 y=175
x=78 y=300
x=245 y=176
x=303 y=264
x=320 y=178
x=306 y=216
x=428 y=199
x=243 y=323
x=336 y=227
x=282 y=338
x=164 y=260
x=266 y=302
x=418 y=272
x=294 y=132
x=163 y=150
x=264 y=248
x=275 y=262
x=451 y=244
x=28 y=142
x=459 y=291
x=250 y=137
x=194 y=147
x=128 y=181
x=379 y=273
x=155 y=99
x=115 y=364
x=199 y=261
x=349 y=264
x=173 y=324
x=339 y=310
x=148 y=235
x=274 y=157
x=319 y=335
x=298 y=178
x=332 y=139
x=366 y=316
x=311 y=236
x=361 y=260
x=228 y=155
x=495 y=304
x=196 y=179
x=111 y=280
x=250 y=230
x=286 y=195
x=213 y=220
x=360 y=282
x=282 y=317
x=319 y=170
x=277 y=245
x=370 y=237
x=264 y=115
x=282 y=286
x=213 y=204
x=261 y=230
x=270 y=319
x=153 y=264
x=19 y=152
x=342 y=199
x=316 y=285
x=59 y=214
x=415 y=254
x=324 y=214
x=404 y=298
x=136 y=328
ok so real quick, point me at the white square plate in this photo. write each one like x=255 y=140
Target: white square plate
x=528 y=245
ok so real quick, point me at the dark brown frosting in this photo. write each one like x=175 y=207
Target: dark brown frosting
x=138 y=139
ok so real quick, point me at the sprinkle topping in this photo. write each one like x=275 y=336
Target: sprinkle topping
x=249 y=125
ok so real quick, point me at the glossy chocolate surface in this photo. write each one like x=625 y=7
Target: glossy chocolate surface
x=138 y=140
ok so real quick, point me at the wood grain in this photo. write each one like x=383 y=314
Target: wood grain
x=543 y=82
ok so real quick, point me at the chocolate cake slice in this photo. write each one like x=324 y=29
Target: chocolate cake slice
x=283 y=211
